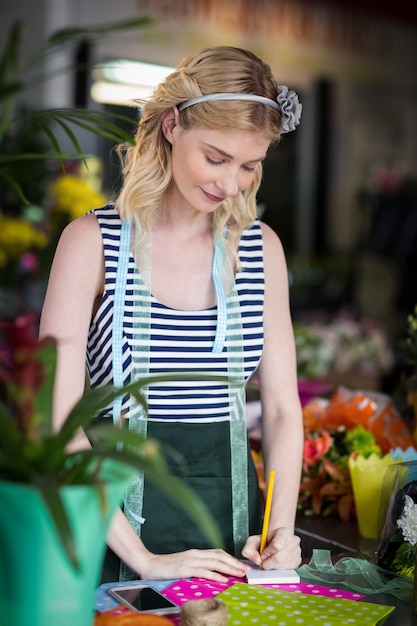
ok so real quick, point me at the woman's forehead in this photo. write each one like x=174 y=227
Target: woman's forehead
x=233 y=143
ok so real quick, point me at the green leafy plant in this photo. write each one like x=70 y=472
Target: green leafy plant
x=18 y=75
x=409 y=348
x=31 y=452
x=405 y=394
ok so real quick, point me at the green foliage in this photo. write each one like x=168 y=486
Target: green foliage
x=361 y=441
x=18 y=74
x=404 y=560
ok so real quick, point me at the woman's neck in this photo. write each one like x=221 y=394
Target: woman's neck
x=182 y=224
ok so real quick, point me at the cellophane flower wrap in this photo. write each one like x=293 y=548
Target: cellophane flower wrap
x=397 y=548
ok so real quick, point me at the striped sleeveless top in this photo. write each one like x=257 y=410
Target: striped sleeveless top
x=178 y=341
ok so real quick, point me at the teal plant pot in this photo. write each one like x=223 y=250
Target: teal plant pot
x=38 y=584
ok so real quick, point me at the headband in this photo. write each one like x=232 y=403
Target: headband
x=287 y=104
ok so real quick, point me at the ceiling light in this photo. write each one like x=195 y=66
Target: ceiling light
x=121 y=81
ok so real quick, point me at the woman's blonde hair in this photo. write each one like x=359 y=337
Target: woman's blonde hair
x=146 y=165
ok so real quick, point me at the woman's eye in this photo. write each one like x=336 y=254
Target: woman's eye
x=212 y=162
x=246 y=168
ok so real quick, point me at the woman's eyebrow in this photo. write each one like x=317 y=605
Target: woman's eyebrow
x=230 y=156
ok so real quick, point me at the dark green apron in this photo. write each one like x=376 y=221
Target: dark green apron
x=206 y=451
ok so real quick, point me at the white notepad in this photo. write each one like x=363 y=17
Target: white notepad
x=257 y=576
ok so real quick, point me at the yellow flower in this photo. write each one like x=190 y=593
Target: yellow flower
x=73 y=197
x=17 y=237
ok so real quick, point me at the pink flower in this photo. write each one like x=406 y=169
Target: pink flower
x=29 y=262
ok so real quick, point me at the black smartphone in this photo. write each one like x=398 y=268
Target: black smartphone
x=143 y=599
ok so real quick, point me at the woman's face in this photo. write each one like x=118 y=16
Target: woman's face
x=209 y=166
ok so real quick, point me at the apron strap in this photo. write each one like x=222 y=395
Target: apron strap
x=133 y=500
x=238 y=432
x=239 y=479
x=221 y=301
x=229 y=323
x=117 y=330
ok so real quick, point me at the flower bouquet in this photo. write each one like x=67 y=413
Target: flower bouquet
x=342 y=349
x=351 y=425
x=326 y=486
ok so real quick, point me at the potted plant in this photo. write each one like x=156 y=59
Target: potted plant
x=56 y=505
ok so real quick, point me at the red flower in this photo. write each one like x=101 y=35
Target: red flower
x=315 y=447
x=21 y=366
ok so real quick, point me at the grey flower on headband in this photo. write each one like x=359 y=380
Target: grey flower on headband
x=290 y=108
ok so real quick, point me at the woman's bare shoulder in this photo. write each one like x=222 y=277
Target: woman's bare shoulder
x=83 y=229
x=81 y=239
x=80 y=252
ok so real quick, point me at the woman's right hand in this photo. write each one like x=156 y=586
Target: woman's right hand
x=212 y=564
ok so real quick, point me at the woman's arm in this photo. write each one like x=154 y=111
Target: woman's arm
x=282 y=429
x=213 y=564
x=75 y=284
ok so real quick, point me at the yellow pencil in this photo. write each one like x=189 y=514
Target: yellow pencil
x=267 y=513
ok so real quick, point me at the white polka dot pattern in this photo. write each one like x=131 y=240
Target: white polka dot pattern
x=251 y=605
x=195 y=588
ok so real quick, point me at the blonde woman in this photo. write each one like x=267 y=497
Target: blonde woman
x=178 y=275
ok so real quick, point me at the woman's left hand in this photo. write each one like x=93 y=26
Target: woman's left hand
x=282 y=550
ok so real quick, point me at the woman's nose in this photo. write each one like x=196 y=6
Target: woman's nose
x=229 y=184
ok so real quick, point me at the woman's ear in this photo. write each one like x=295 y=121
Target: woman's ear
x=170 y=120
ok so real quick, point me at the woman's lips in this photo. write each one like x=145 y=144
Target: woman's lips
x=211 y=197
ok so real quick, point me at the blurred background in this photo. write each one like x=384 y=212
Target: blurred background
x=341 y=191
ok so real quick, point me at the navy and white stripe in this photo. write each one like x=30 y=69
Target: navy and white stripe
x=178 y=341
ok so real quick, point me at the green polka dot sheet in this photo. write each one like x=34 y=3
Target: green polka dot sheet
x=251 y=605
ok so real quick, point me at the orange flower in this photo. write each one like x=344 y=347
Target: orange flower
x=328 y=490
x=311 y=490
x=340 y=488
x=316 y=447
